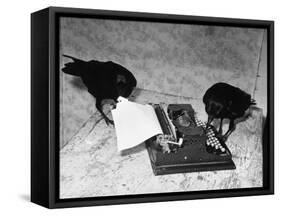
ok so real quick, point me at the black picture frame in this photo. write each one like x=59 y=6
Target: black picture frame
x=45 y=108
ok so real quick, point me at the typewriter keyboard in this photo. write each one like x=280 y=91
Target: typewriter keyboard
x=212 y=141
x=199 y=123
x=213 y=144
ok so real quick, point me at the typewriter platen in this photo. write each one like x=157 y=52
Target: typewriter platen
x=185 y=146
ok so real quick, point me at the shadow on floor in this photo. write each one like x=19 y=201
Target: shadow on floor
x=25 y=197
x=133 y=150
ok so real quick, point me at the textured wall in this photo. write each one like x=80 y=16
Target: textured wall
x=260 y=93
x=169 y=58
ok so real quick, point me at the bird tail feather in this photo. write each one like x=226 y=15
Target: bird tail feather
x=73 y=68
x=73 y=58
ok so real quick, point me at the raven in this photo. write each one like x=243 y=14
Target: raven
x=226 y=101
x=106 y=81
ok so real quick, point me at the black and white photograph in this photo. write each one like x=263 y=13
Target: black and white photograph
x=139 y=108
x=135 y=108
x=149 y=107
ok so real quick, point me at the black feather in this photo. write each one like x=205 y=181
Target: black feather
x=226 y=101
x=104 y=80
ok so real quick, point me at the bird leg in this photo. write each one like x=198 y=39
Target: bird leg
x=220 y=128
x=230 y=130
x=99 y=107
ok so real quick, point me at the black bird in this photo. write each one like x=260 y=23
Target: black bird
x=226 y=101
x=106 y=81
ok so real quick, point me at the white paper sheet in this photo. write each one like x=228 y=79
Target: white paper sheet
x=134 y=123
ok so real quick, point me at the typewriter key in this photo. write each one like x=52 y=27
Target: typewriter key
x=199 y=123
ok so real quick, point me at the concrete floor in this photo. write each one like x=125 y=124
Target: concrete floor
x=91 y=166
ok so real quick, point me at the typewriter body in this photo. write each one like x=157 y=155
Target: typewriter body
x=185 y=146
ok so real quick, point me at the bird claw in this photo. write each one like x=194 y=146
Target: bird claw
x=109 y=122
x=222 y=137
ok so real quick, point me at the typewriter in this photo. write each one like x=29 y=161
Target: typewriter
x=185 y=145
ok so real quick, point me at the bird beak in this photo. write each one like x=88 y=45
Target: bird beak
x=210 y=119
x=113 y=105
